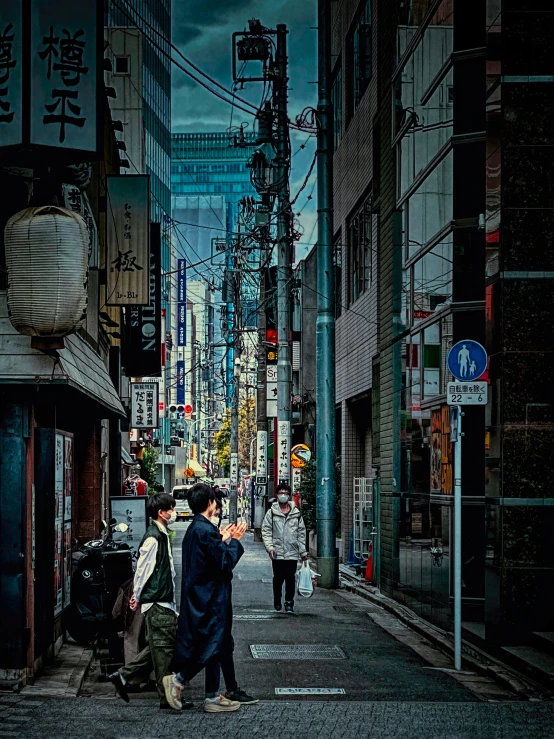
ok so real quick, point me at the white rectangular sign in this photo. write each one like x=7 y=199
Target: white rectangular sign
x=261 y=458
x=296 y=479
x=234 y=469
x=466 y=393
x=283 y=451
x=128 y=240
x=144 y=405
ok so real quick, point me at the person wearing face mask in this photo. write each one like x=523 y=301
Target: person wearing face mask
x=154 y=592
x=284 y=537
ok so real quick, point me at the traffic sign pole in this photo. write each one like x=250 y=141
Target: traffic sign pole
x=467 y=361
x=458 y=541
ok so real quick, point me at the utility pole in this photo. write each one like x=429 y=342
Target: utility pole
x=325 y=325
x=229 y=306
x=235 y=387
x=261 y=403
x=284 y=260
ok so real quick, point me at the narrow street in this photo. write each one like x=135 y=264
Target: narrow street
x=387 y=681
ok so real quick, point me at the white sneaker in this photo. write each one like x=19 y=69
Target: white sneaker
x=173 y=692
x=220 y=704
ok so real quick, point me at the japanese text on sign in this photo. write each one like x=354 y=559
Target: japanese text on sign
x=283 y=451
x=261 y=458
x=144 y=405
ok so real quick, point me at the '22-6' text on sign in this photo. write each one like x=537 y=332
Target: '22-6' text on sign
x=470 y=393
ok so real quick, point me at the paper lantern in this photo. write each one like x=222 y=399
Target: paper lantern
x=47 y=264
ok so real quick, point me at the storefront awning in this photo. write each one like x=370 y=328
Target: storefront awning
x=77 y=365
x=199 y=471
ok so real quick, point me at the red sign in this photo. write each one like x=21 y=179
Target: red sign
x=188 y=409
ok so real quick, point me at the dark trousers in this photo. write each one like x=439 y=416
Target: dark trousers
x=212 y=675
x=284 y=571
x=228 y=670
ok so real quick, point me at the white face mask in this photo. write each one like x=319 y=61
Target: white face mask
x=283 y=498
x=172 y=518
x=215 y=519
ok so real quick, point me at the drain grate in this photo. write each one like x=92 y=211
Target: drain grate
x=296 y=651
x=310 y=691
x=255 y=616
x=349 y=609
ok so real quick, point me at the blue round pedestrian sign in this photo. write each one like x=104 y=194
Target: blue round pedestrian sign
x=467 y=360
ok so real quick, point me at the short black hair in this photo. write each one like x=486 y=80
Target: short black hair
x=200 y=497
x=159 y=502
x=284 y=487
x=159 y=488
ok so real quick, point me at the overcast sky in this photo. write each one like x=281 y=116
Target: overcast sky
x=203 y=31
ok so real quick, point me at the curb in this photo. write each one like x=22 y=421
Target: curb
x=472 y=657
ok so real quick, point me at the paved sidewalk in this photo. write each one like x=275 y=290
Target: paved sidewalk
x=110 y=719
x=395 y=683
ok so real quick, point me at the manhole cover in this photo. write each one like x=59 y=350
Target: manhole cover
x=296 y=651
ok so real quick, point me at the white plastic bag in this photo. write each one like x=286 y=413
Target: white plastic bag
x=305 y=585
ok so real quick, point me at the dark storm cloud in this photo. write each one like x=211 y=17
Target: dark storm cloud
x=191 y=20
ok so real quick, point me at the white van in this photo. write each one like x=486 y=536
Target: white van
x=182 y=508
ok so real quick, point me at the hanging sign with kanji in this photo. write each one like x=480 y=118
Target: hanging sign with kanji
x=261 y=458
x=127 y=237
x=11 y=52
x=144 y=405
x=64 y=53
x=283 y=451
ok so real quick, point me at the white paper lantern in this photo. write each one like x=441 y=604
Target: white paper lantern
x=47 y=263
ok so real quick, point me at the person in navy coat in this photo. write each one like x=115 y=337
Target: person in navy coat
x=206 y=614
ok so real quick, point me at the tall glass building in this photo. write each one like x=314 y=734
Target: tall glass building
x=208 y=174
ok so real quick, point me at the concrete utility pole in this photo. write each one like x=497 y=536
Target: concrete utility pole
x=261 y=399
x=284 y=263
x=325 y=325
x=235 y=392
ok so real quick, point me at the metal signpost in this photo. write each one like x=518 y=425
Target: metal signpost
x=467 y=361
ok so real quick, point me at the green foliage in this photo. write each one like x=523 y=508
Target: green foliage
x=223 y=443
x=149 y=467
x=308 y=487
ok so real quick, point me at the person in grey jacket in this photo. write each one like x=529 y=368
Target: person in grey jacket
x=284 y=537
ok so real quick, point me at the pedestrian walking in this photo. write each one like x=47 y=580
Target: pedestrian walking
x=205 y=622
x=227 y=663
x=284 y=537
x=154 y=592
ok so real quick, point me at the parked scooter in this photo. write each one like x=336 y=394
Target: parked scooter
x=99 y=568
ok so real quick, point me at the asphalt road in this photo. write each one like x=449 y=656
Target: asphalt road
x=395 y=684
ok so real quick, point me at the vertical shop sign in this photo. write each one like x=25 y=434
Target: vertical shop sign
x=127 y=239
x=142 y=327
x=11 y=93
x=144 y=405
x=283 y=451
x=65 y=54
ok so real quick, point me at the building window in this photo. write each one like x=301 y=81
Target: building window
x=122 y=65
x=359 y=251
x=361 y=53
x=336 y=99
